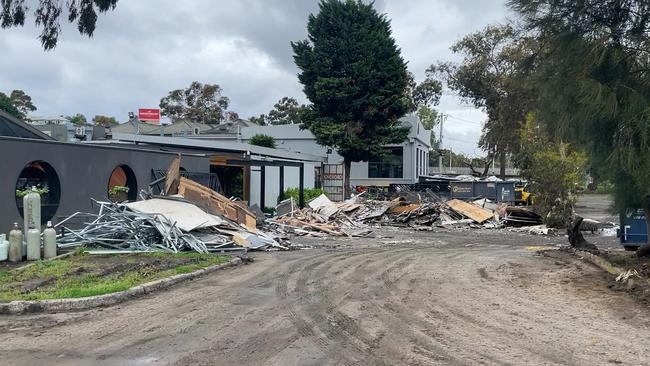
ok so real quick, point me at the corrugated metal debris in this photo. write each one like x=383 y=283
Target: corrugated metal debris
x=161 y=223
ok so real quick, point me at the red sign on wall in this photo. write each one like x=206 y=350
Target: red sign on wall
x=149 y=115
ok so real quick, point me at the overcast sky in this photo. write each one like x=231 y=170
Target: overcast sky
x=146 y=48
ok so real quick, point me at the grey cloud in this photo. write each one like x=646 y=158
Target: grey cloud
x=145 y=48
x=463 y=141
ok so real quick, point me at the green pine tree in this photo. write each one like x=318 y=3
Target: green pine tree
x=355 y=78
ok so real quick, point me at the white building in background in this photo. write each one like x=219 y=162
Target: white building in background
x=62 y=129
x=403 y=163
x=47 y=120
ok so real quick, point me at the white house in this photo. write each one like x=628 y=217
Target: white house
x=47 y=120
x=402 y=163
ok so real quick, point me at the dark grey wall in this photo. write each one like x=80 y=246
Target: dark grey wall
x=83 y=171
x=57 y=132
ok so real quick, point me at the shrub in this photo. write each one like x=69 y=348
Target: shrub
x=118 y=189
x=310 y=193
x=262 y=140
x=556 y=177
x=20 y=193
x=604 y=188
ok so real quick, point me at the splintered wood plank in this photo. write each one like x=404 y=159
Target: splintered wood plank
x=474 y=212
x=217 y=204
x=172 y=179
x=403 y=208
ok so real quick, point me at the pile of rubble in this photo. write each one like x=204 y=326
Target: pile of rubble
x=423 y=211
x=322 y=218
x=197 y=219
x=189 y=216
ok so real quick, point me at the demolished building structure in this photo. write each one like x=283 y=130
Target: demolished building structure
x=73 y=173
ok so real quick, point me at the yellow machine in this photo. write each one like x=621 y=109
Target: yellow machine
x=522 y=194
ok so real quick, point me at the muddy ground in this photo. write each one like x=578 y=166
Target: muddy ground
x=404 y=298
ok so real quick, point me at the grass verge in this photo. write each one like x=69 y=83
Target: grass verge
x=84 y=275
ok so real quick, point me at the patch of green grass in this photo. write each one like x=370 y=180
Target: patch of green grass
x=64 y=279
x=42 y=269
x=625 y=260
x=187 y=268
x=3 y=274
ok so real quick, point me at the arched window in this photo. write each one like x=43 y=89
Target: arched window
x=122 y=184
x=41 y=175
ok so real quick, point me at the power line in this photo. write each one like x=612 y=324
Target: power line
x=460 y=140
x=464 y=120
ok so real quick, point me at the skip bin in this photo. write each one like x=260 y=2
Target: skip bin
x=462 y=190
x=634 y=231
x=505 y=191
x=485 y=190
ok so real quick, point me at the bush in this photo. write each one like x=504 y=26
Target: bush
x=604 y=188
x=262 y=140
x=118 y=189
x=20 y=193
x=310 y=193
x=555 y=178
x=555 y=171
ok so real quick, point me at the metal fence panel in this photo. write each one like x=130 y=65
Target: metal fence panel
x=332 y=182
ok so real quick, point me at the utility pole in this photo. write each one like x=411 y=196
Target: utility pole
x=442 y=120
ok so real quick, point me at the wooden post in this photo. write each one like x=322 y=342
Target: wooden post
x=262 y=187
x=301 y=186
x=281 y=196
x=246 y=170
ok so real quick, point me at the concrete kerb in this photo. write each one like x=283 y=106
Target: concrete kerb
x=84 y=303
x=599 y=262
x=636 y=285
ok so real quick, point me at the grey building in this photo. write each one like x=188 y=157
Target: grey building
x=264 y=173
x=177 y=128
x=72 y=173
x=75 y=173
x=403 y=163
x=60 y=128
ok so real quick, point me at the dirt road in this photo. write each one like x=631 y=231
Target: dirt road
x=597 y=207
x=406 y=298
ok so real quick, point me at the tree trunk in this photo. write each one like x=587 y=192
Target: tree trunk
x=575 y=236
x=644 y=250
x=502 y=165
x=347 y=164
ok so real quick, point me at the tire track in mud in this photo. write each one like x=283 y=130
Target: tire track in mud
x=265 y=342
x=311 y=322
x=396 y=313
x=453 y=322
x=304 y=327
x=335 y=323
x=339 y=327
x=444 y=314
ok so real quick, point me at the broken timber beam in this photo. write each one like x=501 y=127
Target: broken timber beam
x=217 y=204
